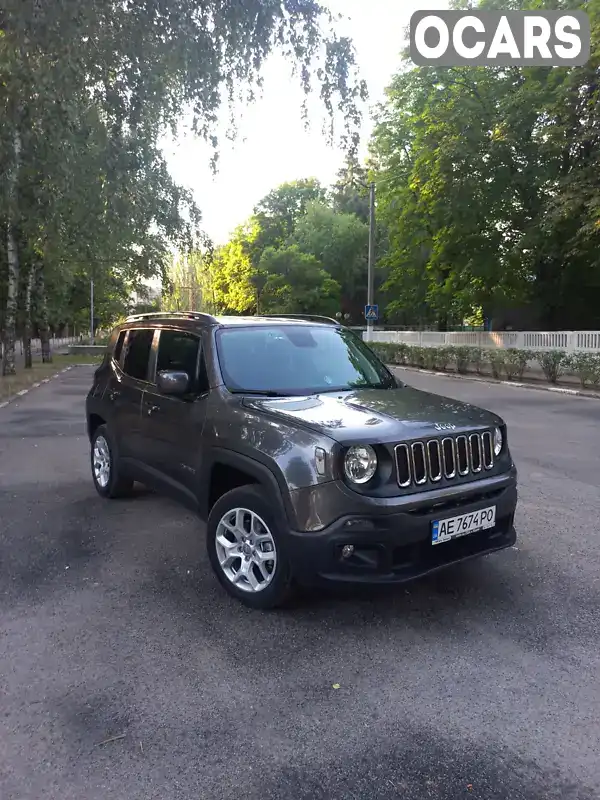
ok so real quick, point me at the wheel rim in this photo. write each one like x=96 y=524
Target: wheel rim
x=246 y=550
x=101 y=462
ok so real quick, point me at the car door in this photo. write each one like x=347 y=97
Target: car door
x=173 y=425
x=125 y=390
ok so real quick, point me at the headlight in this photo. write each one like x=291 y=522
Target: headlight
x=498 y=441
x=360 y=463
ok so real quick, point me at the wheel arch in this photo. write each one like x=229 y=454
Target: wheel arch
x=225 y=470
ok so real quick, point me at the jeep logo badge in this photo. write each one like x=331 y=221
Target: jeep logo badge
x=444 y=426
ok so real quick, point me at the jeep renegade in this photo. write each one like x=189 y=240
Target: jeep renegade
x=308 y=459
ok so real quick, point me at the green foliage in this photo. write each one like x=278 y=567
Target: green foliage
x=512 y=362
x=515 y=362
x=87 y=91
x=295 y=254
x=340 y=242
x=553 y=363
x=488 y=182
x=587 y=368
x=462 y=357
x=232 y=270
x=297 y=283
x=277 y=214
x=497 y=361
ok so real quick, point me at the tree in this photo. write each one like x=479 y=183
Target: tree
x=81 y=121
x=297 y=283
x=232 y=271
x=340 y=243
x=278 y=213
x=350 y=192
x=485 y=180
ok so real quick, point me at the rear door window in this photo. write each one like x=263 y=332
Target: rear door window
x=137 y=357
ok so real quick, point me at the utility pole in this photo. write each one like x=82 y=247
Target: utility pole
x=91 y=312
x=371 y=265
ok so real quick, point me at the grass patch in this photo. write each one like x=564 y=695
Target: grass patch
x=11 y=384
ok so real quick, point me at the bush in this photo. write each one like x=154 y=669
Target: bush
x=587 y=368
x=553 y=363
x=515 y=362
x=390 y=352
x=431 y=357
x=497 y=360
x=402 y=353
x=478 y=359
x=461 y=356
x=384 y=350
x=444 y=356
x=417 y=356
x=511 y=362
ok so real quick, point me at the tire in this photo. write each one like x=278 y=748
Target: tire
x=109 y=482
x=243 y=572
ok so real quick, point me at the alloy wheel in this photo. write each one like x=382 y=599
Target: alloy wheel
x=246 y=549
x=101 y=462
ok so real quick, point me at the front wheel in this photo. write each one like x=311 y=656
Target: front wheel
x=106 y=472
x=246 y=550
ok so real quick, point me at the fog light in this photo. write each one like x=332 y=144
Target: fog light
x=347 y=550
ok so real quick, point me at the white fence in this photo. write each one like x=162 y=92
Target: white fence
x=570 y=341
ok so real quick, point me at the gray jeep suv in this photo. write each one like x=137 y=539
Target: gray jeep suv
x=310 y=462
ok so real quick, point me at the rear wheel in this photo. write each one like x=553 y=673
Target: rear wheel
x=106 y=470
x=246 y=550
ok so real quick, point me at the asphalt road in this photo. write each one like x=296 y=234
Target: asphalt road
x=482 y=682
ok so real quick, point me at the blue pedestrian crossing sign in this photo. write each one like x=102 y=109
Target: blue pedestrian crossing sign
x=372 y=313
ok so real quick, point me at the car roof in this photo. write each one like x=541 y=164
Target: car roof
x=230 y=321
x=193 y=319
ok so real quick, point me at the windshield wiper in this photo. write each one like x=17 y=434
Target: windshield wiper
x=259 y=393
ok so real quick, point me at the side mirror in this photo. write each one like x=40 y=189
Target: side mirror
x=173 y=382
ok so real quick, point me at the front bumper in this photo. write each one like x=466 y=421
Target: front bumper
x=396 y=547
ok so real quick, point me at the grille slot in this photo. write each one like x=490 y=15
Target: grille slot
x=403 y=465
x=434 y=461
x=488 y=452
x=419 y=463
x=475 y=451
x=462 y=455
x=449 y=457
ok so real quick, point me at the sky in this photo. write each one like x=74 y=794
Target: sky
x=272 y=145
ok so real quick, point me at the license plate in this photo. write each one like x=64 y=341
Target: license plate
x=445 y=529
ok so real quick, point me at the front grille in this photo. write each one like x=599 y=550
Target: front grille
x=419 y=463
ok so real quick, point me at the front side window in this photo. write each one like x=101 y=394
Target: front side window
x=294 y=359
x=137 y=356
x=178 y=351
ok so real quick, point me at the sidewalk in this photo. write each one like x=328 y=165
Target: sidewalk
x=524 y=383
x=13 y=385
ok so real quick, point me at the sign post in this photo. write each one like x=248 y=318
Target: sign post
x=371 y=316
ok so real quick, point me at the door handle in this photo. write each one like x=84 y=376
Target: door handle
x=152 y=409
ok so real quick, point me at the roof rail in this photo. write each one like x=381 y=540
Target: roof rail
x=169 y=314
x=307 y=317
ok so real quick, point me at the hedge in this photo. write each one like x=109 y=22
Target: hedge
x=507 y=364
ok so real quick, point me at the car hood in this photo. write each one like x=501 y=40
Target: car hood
x=375 y=415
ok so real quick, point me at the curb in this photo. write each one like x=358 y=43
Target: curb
x=493 y=382
x=23 y=392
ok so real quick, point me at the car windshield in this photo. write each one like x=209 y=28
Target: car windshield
x=296 y=360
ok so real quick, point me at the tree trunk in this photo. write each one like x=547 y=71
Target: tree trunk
x=12 y=255
x=27 y=331
x=42 y=313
